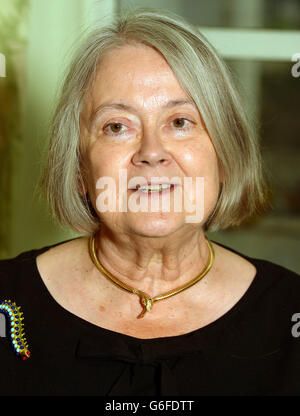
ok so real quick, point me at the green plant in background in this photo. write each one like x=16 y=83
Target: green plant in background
x=13 y=35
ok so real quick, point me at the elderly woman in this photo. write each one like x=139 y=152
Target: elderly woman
x=150 y=148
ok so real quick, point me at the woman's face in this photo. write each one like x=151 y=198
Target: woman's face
x=139 y=122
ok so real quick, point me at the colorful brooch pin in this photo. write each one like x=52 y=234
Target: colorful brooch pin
x=17 y=334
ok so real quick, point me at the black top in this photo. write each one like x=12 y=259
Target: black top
x=253 y=349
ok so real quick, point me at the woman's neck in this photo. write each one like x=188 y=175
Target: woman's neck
x=153 y=264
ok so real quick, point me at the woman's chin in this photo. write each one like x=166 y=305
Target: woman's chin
x=156 y=225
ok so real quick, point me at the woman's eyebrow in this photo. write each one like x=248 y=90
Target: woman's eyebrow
x=121 y=106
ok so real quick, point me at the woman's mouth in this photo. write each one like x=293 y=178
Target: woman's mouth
x=155 y=188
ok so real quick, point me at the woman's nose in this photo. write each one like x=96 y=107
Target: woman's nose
x=151 y=152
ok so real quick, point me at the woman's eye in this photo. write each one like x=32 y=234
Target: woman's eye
x=114 y=128
x=180 y=122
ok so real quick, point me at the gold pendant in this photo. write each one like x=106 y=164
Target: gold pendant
x=147 y=304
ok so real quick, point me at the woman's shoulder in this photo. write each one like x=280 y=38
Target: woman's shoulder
x=21 y=266
x=65 y=257
x=11 y=268
x=269 y=287
x=269 y=274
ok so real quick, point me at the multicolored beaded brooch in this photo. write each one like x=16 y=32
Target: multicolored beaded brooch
x=17 y=334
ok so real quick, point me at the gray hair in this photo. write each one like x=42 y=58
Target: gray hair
x=205 y=78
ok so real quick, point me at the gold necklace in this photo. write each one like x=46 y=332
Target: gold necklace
x=146 y=300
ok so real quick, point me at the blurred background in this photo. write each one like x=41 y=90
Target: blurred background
x=257 y=38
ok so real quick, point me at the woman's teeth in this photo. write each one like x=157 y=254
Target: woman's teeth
x=154 y=188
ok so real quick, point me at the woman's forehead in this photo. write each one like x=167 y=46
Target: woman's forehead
x=146 y=81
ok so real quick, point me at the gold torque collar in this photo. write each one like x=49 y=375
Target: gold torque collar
x=146 y=301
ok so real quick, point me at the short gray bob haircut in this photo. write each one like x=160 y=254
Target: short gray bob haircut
x=205 y=78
